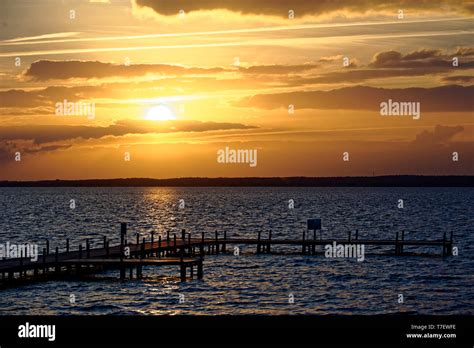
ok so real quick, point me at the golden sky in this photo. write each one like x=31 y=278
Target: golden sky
x=170 y=83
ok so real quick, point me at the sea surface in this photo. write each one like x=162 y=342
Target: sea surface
x=250 y=283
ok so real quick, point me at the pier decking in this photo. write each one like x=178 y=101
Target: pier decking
x=185 y=252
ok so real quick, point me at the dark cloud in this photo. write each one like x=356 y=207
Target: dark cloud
x=66 y=69
x=427 y=59
x=301 y=7
x=278 y=69
x=440 y=135
x=51 y=133
x=445 y=98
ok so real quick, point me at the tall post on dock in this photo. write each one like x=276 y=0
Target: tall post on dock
x=159 y=246
x=259 y=250
x=201 y=246
x=123 y=233
x=223 y=243
x=67 y=245
x=396 y=244
x=199 y=268
x=183 y=240
x=88 y=250
x=80 y=251
x=269 y=242
x=138 y=239
x=217 y=243
x=303 y=244
x=47 y=246
x=174 y=243
x=105 y=242
x=357 y=234
x=56 y=260
x=403 y=239
x=189 y=243
x=349 y=236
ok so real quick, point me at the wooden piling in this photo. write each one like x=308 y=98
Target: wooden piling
x=123 y=233
x=349 y=236
x=357 y=234
x=223 y=243
x=401 y=245
x=67 y=245
x=269 y=242
x=47 y=246
x=259 y=250
x=199 y=269
x=159 y=246
x=303 y=251
x=80 y=251
x=217 y=243
x=88 y=250
x=201 y=246
x=396 y=244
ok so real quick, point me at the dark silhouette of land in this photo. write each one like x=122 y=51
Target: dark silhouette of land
x=353 y=181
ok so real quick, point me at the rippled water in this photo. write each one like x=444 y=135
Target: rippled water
x=249 y=283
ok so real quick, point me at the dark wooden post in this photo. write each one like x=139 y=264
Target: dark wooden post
x=217 y=243
x=123 y=233
x=199 y=270
x=143 y=251
x=168 y=238
x=80 y=251
x=304 y=241
x=224 y=244
x=67 y=245
x=189 y=243
x=182 y=268
x=138 y=239
x=88 y=250
x=47 y=246
x=402 y=244
x=259 y=250
x=159 y=246
x=349 y=236
x=396 y=244
x=107 y=249
x=105 y=242
x=201 y=246
x=269 y=242
x=357 y=234
x=174 y=244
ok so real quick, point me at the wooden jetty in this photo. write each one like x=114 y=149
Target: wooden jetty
x=185 y=252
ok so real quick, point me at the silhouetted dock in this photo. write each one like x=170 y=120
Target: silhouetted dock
x=186 y=252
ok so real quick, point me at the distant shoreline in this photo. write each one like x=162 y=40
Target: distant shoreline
x=361 y=181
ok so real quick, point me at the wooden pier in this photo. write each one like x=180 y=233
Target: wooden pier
x=183 y=251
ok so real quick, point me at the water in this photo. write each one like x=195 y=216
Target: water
x=249 y=283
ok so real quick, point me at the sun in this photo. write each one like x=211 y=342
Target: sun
x=159 y=113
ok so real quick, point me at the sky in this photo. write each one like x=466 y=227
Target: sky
x=158 y=88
